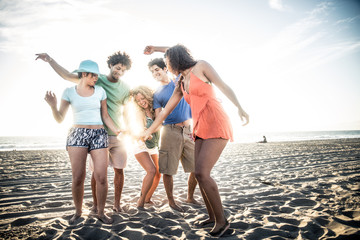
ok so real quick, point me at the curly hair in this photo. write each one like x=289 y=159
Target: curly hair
x=119 y=57
x=180 y=58
x=148 y=94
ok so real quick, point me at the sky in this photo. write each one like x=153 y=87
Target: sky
x=293 y=64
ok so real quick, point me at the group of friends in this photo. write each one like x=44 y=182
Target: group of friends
x=195 y=128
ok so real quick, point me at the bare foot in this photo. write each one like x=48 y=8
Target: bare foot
x=176 y=207
x=205 y=223
x=218 y=230
x=117 y=209
x=193 y=201
x=149 y=202
x=105 y=219
x=140 y=203
x=93 y=209
x=74 y=218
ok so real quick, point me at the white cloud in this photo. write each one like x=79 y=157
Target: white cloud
x=277 y=5
x=305 y=44
x=348 y=20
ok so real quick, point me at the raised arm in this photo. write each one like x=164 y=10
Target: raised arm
x=210 y=73
x=107 y=119
x=151 y=49
x=59 y=115
x=65 y=74
x=161 y=116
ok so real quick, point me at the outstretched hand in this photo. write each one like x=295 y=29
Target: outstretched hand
x=43 y=56
x=149 y=50
x=50 y=98
x=244 y=116
x=146 y=135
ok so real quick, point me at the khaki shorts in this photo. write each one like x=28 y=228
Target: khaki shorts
x=176 y=144
x=117 y=154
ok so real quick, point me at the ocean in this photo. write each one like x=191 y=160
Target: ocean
x=43 y=143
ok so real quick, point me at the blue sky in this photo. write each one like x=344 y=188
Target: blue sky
x=294 y=65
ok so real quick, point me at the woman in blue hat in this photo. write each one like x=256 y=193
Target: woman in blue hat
x=87 y=135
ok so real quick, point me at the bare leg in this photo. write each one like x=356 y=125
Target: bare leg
x=78 y=166
x=168 y=183
x=93 y=192
x=191 y=189
x=155 y=159
x=145 y=161
x=100 y=157
x=118 y=187
x=211 y=218
x=207 y=153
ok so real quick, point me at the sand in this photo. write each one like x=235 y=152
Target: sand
x=292 y=190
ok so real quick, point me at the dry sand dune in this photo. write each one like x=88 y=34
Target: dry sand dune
x=292 y=190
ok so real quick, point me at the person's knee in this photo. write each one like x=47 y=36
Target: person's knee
x=200 y=176
x=78 y=180
x=158 y=175
x=167 y=178
x=118 y=172
x=152 y=171
x=101 y=179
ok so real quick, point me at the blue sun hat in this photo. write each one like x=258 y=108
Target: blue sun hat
x=88 y=66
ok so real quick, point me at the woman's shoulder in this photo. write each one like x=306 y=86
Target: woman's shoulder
x=100 y=91
x=201 y=65
x=69 y=89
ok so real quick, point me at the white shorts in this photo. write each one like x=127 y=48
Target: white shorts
x=141 y=147
x=117 y=154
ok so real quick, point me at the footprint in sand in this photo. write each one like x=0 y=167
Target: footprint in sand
x=54 y=204
x=302 y=203
x=23 y=221
x=287 y=210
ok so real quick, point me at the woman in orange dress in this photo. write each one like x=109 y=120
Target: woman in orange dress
x=212 y=127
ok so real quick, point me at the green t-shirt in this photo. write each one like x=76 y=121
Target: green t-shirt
x=117 y=95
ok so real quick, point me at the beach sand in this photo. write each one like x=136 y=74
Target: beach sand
x=285 y=190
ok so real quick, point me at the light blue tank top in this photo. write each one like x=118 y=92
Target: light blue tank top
x=86 y=110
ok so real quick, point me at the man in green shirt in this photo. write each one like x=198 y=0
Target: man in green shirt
x=117 y=92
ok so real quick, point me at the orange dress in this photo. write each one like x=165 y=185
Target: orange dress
x=209 y=117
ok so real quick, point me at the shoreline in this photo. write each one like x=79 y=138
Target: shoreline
x=284 y=190
x=28 y=143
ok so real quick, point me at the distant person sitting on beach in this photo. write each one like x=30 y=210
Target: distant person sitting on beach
x=212 y=127
x=87 y=135
x=147 y=153
x=118 y=92
x=264 y=140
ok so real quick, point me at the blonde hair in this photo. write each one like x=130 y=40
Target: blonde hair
x=148 y=94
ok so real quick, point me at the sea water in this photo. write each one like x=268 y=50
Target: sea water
x=42 y=143
x=296 y=136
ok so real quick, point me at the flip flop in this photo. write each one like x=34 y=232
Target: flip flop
x=221 y=231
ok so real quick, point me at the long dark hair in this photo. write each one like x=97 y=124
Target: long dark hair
x=180 y=58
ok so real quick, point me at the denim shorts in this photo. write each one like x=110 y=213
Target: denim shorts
x=87 y=138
